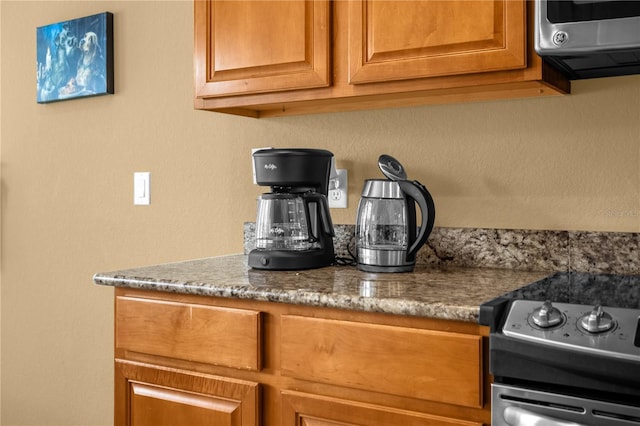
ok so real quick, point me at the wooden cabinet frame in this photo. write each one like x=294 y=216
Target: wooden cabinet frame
x=156 y=396
x=311 y=359
x=312 y=410
x=305 y=65
x=350 y=65
x=496 y=42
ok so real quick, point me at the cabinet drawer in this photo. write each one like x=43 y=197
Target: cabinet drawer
x=219 y=336
x=431 y=365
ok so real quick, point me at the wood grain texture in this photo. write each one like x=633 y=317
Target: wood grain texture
x=300 y=409
x=433 y=365
x=244 y=47
x=219 y=336
x=429 y=52
x=390 y=40
x=156 y=396
x=374 y=349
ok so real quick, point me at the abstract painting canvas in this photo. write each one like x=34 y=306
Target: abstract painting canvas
x=75 y=58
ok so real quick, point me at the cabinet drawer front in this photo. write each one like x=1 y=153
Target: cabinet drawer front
x=213 y=335
x=431 y=365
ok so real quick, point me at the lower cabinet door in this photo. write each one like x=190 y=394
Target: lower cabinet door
x=158 y=396
x=302 y=409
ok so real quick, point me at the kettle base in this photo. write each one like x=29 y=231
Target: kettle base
x=385 y=269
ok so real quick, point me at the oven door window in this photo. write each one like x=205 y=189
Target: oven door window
x=559 y=11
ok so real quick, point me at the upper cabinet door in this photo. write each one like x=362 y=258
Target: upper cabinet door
x=397 y=40
x=244 y=47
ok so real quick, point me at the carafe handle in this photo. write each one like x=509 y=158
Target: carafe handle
x=323 y=210
x=416 y=192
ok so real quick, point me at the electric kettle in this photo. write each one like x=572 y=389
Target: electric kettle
x=387 y=234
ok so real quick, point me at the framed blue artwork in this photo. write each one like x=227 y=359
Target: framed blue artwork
x=75 y=58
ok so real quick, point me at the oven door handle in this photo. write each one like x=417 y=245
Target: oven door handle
x=515 y=416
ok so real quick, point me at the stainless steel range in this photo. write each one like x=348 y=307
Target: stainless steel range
x=566 y=351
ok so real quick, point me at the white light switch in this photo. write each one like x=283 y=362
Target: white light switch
x=141 y=188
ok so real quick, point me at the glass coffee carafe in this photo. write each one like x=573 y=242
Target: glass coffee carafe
x=282 y=223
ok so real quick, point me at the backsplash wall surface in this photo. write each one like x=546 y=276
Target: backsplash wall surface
x=531 y=250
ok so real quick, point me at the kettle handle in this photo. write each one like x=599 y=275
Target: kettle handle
x=417 y=192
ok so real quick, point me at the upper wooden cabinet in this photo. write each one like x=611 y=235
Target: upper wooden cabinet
x=267 y=58
x=392 y=40
x=246 y=47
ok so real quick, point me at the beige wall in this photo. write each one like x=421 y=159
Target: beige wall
x=67 y=211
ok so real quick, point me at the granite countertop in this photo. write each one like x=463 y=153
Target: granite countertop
x=453 y=293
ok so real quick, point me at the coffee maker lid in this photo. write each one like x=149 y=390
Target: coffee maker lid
x=391 y=168
x=293 y=170
x=293 y=152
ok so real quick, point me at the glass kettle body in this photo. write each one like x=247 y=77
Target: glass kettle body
x=387 y=234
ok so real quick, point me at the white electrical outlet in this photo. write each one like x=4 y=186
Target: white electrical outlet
x=338 y=190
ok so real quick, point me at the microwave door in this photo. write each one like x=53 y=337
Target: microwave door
x=565 y=11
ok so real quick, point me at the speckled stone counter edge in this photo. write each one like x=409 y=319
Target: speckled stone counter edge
x=458 y=270
x=532 y=250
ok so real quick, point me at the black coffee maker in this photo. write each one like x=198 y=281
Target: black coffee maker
x=293 y=224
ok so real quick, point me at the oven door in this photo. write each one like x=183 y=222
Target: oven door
x=516 y=406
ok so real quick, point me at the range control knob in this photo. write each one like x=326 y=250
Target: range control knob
x=597 y=321
x=547 y=315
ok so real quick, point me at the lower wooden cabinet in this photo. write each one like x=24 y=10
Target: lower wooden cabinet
x=189 y=331
x=301 y=409
x=156 y=396
x=410 y=362
x=194 y=360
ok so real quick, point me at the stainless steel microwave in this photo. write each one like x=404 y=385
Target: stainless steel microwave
x=589 y=38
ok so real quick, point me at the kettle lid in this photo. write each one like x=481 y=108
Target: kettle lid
x=391 y=168
x=382 y=188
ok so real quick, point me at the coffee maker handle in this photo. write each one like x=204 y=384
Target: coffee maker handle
x=323 y=208
x=417 y=192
